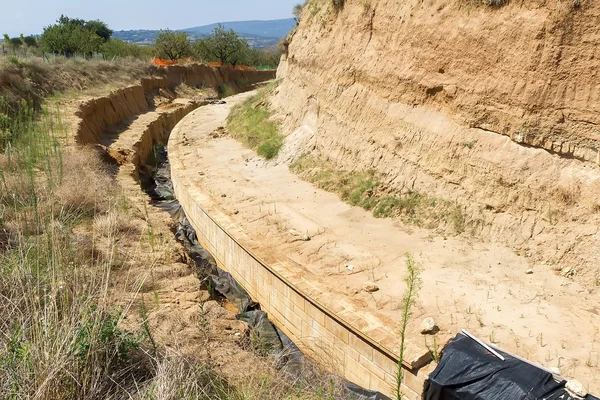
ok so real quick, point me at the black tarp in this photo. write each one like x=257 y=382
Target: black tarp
x=467 y=371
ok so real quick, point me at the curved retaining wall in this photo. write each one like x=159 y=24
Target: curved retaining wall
x=321 y=334
x=100 y=113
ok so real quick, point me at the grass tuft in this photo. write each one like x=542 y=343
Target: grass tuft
x=251 y=123
x=225 y=90
x=365 y=189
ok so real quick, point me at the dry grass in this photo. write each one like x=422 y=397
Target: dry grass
x=65 y=332
x=180 y=378
x=33 y=79
x=60 y=334
x=86 y=188
x=567 y=195
x=114 y=221
x=364 y=188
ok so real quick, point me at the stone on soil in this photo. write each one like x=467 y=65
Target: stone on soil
x=429 y=326
x=370 y=287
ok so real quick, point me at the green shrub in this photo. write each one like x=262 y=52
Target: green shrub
x=225 y=90
x=363 y=189
x=172 y=45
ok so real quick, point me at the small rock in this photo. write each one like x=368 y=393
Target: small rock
x=236 y=212
x=567 y=272
x=575 y=387
x=223 y=195
x=429 y=326
x=529 y=272
x=305 y=238
x=370 y=287
x=350 y=267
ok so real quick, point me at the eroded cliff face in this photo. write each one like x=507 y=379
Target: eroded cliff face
x=496 y=110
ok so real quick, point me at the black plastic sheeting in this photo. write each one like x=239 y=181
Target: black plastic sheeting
x=467 y=371
x=158 y=185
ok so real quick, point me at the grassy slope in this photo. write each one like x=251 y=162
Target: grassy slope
x=365 y=189
x=62 y=335
x=250 y=123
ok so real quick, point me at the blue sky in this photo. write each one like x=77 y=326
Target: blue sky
x=16 y=17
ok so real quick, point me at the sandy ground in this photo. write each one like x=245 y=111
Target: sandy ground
x=483 y=288
x=152 y=268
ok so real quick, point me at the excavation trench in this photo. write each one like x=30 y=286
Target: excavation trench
x=131 y=128
x=156 y=182
x=135 y=137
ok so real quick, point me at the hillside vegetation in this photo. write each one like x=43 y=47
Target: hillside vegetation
x=25 y=83
x=259 y=34
x=93 y=39
x=79 y=295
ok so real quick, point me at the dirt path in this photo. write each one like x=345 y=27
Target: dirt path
x=544 y=317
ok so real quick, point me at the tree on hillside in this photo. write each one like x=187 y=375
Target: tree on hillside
x=267 y=57
x=13 y=43
x=30 y=41
x=27 y=42
x=120 y=48
x=297 y=12
x=64 y=20
x=72 y=35
x=16 y=43
x=223 y=46
x=100 y=29
x=172 y=45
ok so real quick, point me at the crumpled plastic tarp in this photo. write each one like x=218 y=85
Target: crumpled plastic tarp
x=467 y=371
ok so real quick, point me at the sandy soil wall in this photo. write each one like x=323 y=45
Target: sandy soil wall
x=493 y=109
x=96 y=115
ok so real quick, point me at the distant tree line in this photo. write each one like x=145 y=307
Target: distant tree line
x=74 y=36
x=224 y=46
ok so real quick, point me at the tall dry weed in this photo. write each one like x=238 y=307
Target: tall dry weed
x=86 y=187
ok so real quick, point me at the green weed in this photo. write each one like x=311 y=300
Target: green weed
x=250 y=123
x=412 y=286
x=225 y=90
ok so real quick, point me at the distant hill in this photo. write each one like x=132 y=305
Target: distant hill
x=277 y=28
x=258 y=33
